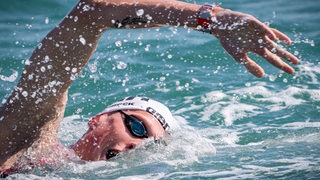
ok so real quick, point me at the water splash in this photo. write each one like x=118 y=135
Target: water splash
x=10 y=78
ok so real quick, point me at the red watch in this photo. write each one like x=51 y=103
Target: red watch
x=204 y=17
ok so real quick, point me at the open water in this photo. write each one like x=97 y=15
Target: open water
x=236 y=126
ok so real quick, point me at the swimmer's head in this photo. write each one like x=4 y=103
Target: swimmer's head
x=122 y=126
x=155 y=108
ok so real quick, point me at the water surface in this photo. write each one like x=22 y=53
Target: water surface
x=236 y=126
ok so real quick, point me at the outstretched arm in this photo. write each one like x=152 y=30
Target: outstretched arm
x=238 y=33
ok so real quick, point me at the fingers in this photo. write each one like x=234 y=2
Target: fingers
x=264 y=45
x=250 y=65
x=276 y=61
x=287 y=55
x=274 y=48
x=282 y=37
x=271 y=33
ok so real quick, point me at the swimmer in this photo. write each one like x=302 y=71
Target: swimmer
x=30 y=117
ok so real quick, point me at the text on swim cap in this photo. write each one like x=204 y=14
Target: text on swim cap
x=159 y=117
x=122 y=104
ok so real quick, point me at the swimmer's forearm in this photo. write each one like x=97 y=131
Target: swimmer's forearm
x=127 y=13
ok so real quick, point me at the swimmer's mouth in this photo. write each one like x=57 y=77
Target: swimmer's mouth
x=111 y=153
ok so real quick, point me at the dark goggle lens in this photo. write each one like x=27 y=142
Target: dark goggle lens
x=138 y=128
x=135 y=126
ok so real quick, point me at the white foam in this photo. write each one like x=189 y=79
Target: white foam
x=213 y=96
x=308 y=70
x=236 y=111
x=221 y=136
x=222 y=103
x=230 y=106
x=299 y=125
x=72 y=128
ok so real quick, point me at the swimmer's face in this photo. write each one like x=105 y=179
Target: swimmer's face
x=108 y=135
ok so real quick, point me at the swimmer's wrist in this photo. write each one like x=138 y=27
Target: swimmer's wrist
x=206 y=19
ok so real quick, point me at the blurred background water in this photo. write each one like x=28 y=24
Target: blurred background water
x=236 y=126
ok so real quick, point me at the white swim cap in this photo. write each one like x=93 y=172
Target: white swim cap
x=157 y=109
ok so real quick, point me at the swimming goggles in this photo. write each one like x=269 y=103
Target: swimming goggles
x=134 y=125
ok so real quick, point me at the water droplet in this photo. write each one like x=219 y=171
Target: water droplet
x=28 y=62
x=149 y=18
x=93 y=68
x=43 y=69
x=272 y=78
x=29 y=26
x=118 y=43
x=46 y=20
x=51 y=83
x=25 y=93
x=39 y=45
x=86 y=7
x=73 y=77
x=121 y=65
x=14 y=127
x=46 y=59
x=147 y=48
x=74 y=70
x=140 y=12
x=82 y=40
x=38 y=100
x=285 y=80
x=75 y=18
x=116 y=56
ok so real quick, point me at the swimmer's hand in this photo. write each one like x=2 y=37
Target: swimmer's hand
x=241 y=33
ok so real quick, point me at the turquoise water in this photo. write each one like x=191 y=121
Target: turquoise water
x=236 y=126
